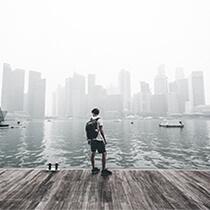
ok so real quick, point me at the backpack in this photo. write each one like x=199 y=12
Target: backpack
x=91 y=129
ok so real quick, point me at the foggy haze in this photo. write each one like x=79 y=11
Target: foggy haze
x=145 y=66
x=58 y=38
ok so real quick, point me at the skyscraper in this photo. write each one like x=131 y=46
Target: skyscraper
x=125 y=90
x=136 y=105
x=78 y=96
x=12 y=89
x=68 y=97
x=179 y=73
x=159 y=105
x=91 y=97
x=61 y=101
x=54 y=104
x=6 y=87
x=197 y=94
x=159 y=99
x=91 y=83
x=18 y=89
x=112 y=106
x=182 y=93
x=145 y=98
x=36 y=95
x=178 y=92
x=173 y=103
x=161 y=82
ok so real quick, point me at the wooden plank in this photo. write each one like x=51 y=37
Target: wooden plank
x=57 y=179
x=148 y=184
x=28 y=190
x=67 y=185
x=119 y=198
x=125 y=189
x=188 y=189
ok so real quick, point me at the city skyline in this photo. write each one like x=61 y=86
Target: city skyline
x=114 y=78
x=182 y=95
x=79 y=93
x=104 y=37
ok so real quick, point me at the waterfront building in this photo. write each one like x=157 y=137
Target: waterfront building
x=173 y=103
x=54 y=104
x=36 y=95
x=91 y=83
x=196 y=89
x=159 y=105
x=18 y=76
x=68 y=97
x=145 y=98
x=136 y=104
x=60 y=102
x=12 y=96
x=179 y=73
x=113 y=90
x=125 y=90
x=78 y=102
x=161 y=82
x=112 y=106
x=91 y=91
x=182 y=93
x=6 y=87
x=159 y=99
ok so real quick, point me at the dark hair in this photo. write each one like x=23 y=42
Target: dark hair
x=95 y=111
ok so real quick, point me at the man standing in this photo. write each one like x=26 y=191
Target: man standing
x=97 y=141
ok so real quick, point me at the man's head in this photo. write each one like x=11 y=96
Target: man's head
x=95 y=111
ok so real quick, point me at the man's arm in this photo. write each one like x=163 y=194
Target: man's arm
x=102 y=134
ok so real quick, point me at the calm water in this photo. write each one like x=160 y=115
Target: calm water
x=141 y=145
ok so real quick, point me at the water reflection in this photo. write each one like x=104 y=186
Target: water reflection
x=142 y=145
x=22 y=147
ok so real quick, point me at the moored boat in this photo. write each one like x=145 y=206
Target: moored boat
x=3 y=125
x=2 y=117
x=171 y=125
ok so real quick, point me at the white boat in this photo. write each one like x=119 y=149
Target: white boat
x=2 y=117
x=130 y=117
x=171 y=125
x=148 y=118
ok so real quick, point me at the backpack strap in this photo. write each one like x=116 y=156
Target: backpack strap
x=96 y=120
x=91 y=119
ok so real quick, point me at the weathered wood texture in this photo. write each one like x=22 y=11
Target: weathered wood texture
x=125 y=189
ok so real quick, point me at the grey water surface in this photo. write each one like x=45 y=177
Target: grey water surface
x=142 y=144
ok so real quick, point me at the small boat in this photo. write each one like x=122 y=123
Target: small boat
x=148 y=118
x=130 y=117
x=2 y=125
x=171 y=125
x=2 y=117
x=174 y=125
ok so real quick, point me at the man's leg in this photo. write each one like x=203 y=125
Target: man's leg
x=103 y=160
x=93 y=159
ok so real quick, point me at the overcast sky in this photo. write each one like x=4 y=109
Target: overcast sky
x=59 y=37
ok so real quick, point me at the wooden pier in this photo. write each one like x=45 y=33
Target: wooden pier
x=125 y=189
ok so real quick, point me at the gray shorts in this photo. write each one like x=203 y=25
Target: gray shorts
x=97 y=145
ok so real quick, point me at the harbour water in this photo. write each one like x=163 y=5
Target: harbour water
x=142 y=144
